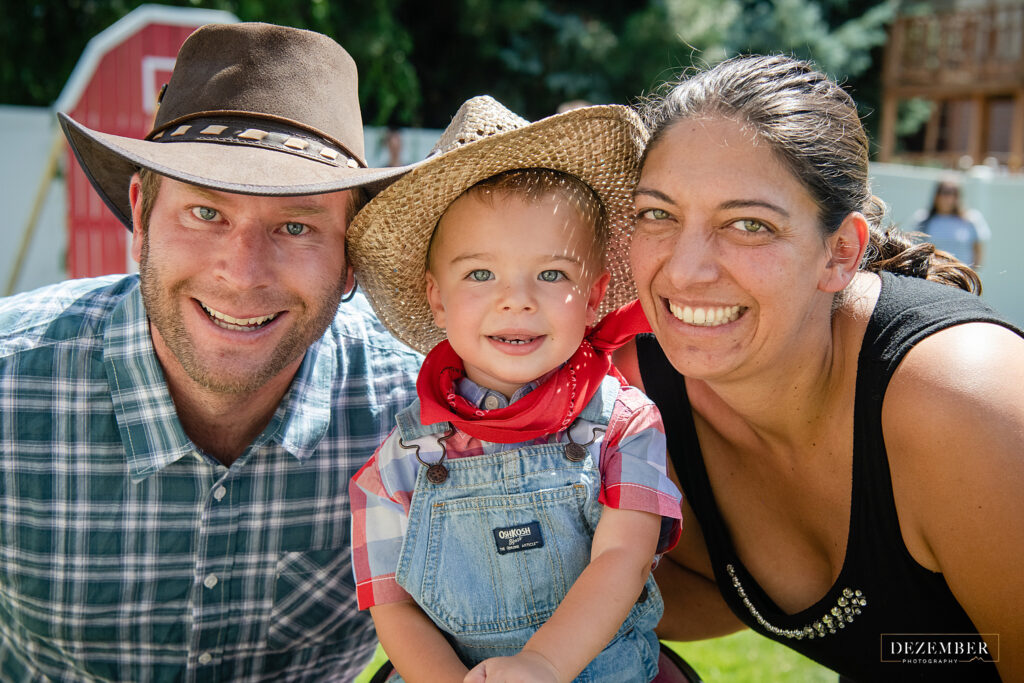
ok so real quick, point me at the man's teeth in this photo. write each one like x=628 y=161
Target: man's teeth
x=705 y=317
x=231 y=323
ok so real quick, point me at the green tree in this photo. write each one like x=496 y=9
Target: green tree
x=418 y=62
x=41 y=41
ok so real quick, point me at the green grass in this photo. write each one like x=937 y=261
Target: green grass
x=378 y=659
x=743 y=657
x=747 y=657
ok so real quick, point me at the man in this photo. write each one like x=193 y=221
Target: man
x=175 y=448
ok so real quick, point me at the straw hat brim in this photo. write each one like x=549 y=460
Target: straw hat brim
x=388 y=241
x=110 y=160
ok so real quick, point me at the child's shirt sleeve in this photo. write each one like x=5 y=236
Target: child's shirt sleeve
x=634 y=473
x=380 y=514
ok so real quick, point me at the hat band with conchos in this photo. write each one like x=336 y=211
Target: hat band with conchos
x=270 y=135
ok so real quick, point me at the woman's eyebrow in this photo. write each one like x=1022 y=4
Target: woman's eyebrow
x=657 y=194
x=731 y=204
x=748 y=203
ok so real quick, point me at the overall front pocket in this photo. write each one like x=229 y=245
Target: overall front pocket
x=504 y=562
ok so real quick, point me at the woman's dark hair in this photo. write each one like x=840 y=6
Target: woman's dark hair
x=812 y=125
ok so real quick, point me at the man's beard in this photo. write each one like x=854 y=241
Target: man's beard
x=162 y=302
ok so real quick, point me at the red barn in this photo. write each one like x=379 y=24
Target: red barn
x=113 y=89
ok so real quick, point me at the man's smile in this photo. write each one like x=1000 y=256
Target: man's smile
x=237 y=324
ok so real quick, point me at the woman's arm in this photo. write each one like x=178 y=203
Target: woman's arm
x=694 y=608
x=414 y=645
x=593 y=609
x=953 y=420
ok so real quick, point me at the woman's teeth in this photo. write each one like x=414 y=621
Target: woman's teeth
x=705 y=317
x=231 y=323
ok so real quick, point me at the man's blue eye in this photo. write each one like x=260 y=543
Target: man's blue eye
x=551 y=275
x=480 y=275
x=295 y=228
x=204 y=213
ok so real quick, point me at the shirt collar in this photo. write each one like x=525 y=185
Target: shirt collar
x=303 y=417
x=151 y=433
x=488 y=399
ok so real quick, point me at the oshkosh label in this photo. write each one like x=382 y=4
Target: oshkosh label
x=512 y=539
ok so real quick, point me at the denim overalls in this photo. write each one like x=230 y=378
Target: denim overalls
x=490 y=552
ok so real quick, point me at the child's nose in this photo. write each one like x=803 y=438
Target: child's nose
x=518 y=296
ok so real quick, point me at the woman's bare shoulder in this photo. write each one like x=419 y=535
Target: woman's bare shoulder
x=954 y=407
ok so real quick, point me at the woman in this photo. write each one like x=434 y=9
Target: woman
x=951 y=227
x=849 y=441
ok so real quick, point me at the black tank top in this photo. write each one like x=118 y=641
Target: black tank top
x=880 y=589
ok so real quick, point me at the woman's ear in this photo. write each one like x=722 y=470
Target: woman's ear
x=845 y=249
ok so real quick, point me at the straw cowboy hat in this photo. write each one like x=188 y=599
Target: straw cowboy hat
x=250 y=108
x=388 y=240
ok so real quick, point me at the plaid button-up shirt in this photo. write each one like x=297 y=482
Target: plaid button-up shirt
x=129 y=556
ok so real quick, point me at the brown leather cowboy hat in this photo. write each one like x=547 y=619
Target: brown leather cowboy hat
x=250 y=108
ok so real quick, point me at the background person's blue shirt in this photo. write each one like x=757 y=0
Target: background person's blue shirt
x=954 y=234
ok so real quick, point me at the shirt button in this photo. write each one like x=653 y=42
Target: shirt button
x=491 y=402
x=210 y=581
x=219 y=493
x=205 y=658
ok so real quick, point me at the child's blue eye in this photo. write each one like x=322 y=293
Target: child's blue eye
x=551 y=275
x=481 y=275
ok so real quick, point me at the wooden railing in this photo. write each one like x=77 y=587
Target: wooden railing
x=981 y=49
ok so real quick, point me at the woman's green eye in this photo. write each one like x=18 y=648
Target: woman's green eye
x=551 y=275
x=204 y=213
x=654 y=214
x=750 y=226
x=480 y=275
x=295 y=228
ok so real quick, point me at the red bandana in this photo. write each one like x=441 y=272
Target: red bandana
x=550 y=407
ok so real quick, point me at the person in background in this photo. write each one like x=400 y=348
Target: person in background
x=844 y=415
x=393 y=143
x=951 y=227
x=175 y=447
